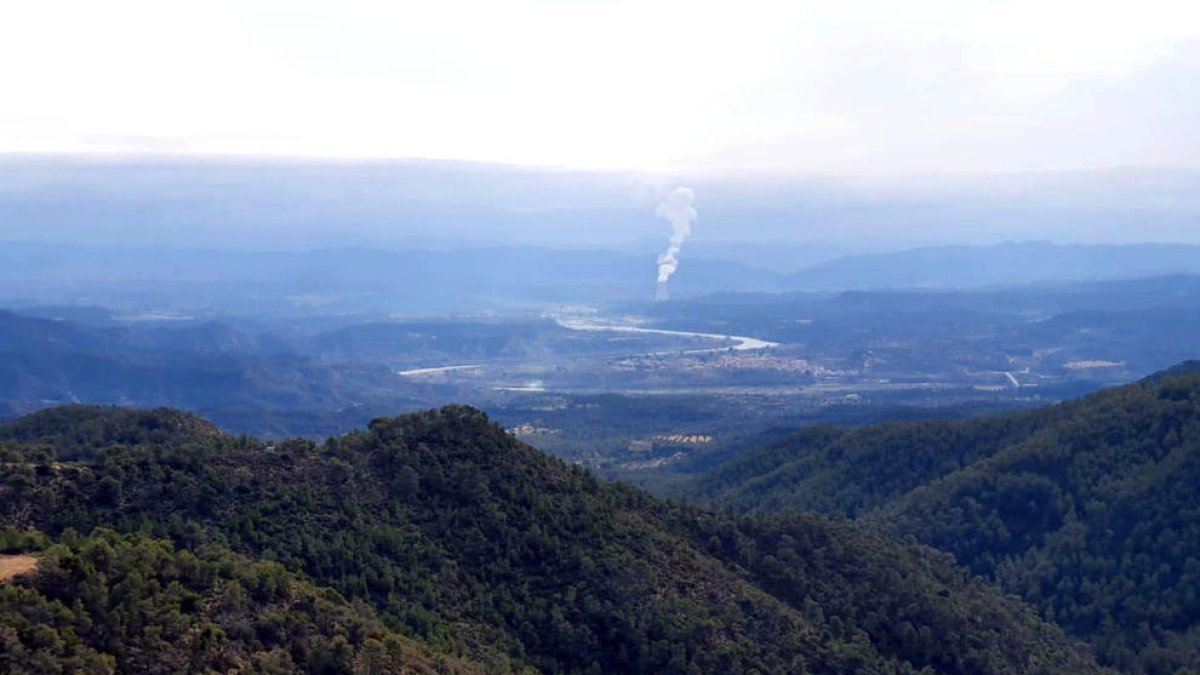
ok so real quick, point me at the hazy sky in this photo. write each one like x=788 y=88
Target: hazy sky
x=839 y=86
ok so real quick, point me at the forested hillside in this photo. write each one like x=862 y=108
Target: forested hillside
x=448 y=532
x=78 y=431
x=111 y=603
x=1089 y=509
x=239 y=379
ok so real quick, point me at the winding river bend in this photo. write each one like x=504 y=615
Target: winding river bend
x=740 y=342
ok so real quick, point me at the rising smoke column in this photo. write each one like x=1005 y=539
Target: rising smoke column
x=676 y=209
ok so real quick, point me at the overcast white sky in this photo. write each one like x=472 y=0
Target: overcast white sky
x=828 y=87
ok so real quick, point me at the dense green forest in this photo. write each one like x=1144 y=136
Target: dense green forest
x=1089 y=509
x=437 y=541
x=78 y=431
x=110 y=603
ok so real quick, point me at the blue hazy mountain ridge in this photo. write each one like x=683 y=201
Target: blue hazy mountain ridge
x=506 y=279
x=273 y=203
x=1000 y=265
x=1178 y=291
x=346 y=280
x=204 y=366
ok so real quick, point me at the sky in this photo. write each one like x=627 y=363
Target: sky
x=845 y=87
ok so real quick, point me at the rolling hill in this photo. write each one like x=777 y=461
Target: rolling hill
x=1087 y=509
x=450 y=533
x=110 y=603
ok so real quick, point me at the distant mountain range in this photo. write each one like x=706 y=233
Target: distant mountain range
x=245 y=203
x=201 y=366
x=513 y=279
x=1011 y=264
x=346 y=281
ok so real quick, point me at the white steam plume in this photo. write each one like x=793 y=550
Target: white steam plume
x=676 y=209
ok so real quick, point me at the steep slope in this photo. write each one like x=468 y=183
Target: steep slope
x=473 y=543
x=109 y=603
x=1089 y=509
x=1096 y=521
x=852 y=471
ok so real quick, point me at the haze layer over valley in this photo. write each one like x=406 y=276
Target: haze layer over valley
x=227 y=297
x=544 y=336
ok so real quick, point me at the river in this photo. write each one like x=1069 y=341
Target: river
x=740 y=342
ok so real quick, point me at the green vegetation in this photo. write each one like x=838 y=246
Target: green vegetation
x=440 y=528
x=77 y=431
x=1088 y=510
x=849 y=472
x=110 y=603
